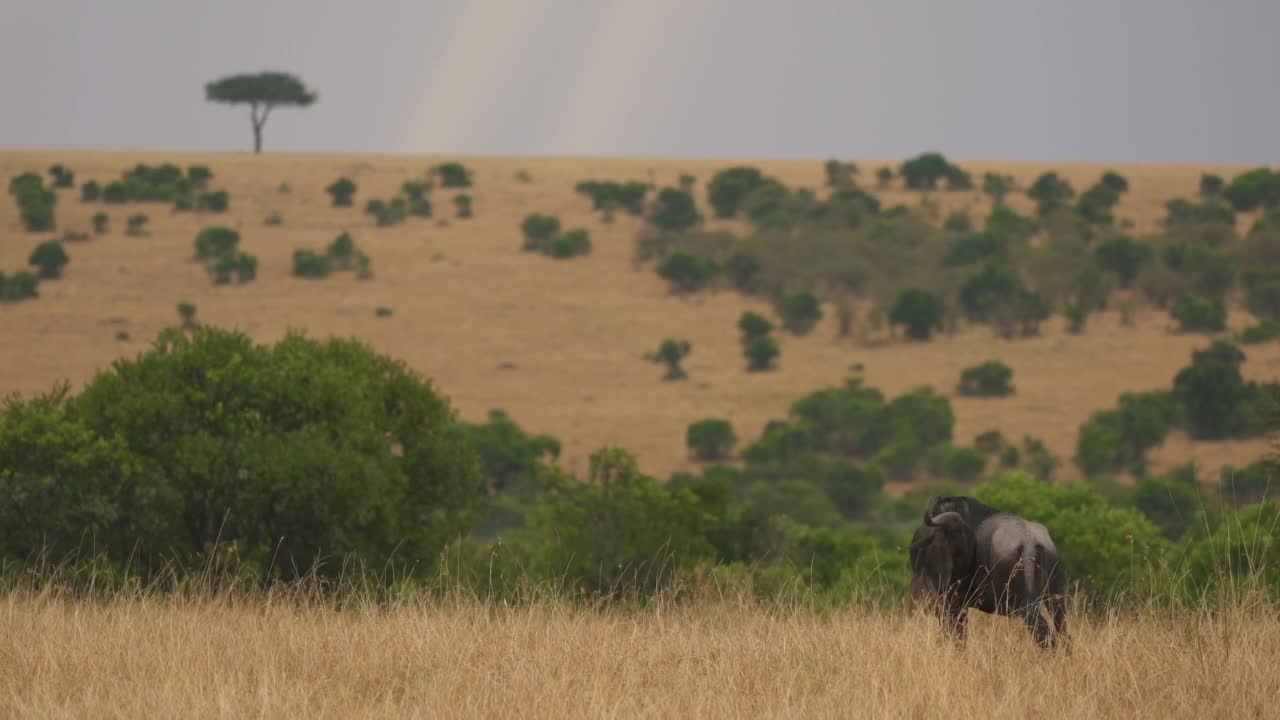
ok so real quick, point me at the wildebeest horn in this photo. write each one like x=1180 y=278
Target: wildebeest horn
x=949 y=519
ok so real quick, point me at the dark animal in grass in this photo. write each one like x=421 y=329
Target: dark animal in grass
x=969 y=555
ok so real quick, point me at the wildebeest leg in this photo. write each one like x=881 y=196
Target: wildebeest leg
x=1058 y=603
x=1033 y=592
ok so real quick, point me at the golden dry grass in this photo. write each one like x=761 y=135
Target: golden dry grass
x=201 y=658
x=559 y=345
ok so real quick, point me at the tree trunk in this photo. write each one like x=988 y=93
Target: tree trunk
x=257 y=138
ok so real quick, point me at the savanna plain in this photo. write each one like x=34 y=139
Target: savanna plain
x=561 y=347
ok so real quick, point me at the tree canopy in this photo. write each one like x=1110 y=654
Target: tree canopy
x=262 y=92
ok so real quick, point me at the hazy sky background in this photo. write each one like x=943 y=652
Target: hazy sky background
x=1124 y=80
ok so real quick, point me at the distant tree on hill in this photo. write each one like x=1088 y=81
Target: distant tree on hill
x=919 y=310
x=262 y=92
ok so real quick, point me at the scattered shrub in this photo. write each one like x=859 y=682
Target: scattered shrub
x=1263 y=331
x=570 y=243
x=1195 y=313
x=341 y=191
x=35 y=202
x=961 y=464
x=920 y=311
x=311 y=264
x=754 y=325
x=799 y=311
x=674 y=210
x=710 y=438
x=49 y=258
x=90 y=191
x=1262 y=296
x=115 y=193
x=760 y=353
x=215 y=242
x=453 y=175
x=1253 y=189
x=62 y=177
x=989 y=379
x=884 y=177
x=686 y=272
x=958 y=221
x=100 y=222
x=608 y=196
x=1123 y=257
x=342 y=251
x=523 y=176
x=1211 y=186
x=990 y=441
x=974 y=248
x=839 y=173
x=925 y=170
x=1119 y=439
x=274 y=219
x=136 y=225
x=198 y=176
x=214 y=202
x=538 y=230
x=1050 y=192
x=462 y=205
x=387 y=213
x=19 y=286
x=729 y=188
x=997 y=185
x=187 y=311
x=670 y=353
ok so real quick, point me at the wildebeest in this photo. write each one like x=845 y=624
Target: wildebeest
x=971 y=555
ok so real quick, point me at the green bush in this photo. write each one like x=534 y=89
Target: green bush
x=63 y=177
x=1257 y=188
x=1123 y=257
x=216 y=241
x=989 y=441
x=453 y=175
x=416 y=189
x=754 y=325
x=136 y=224
x=570 y=243
x=287 y=451
x=115 y=193
x=608 y=196
x=90 y=191
x=996 y=284
x=100 y=223
x=1119 y=439
x=925 y=170
x=462 y=206
x=1050 y=191
x=1262 y=296
x=19 y=286
x=799 y=311
x=710 y=438
x=1261 y=332
x=1172 y=505
x=1218 y=402
x=884 y=177
x=989 y=379
x=538 y=230
x=729 y=188
x=974 y=248
x=198 y=176
x=1200 y=314
x=839 y=173
x=35 y=202
x=760 y=353
x=387 y=213
x=187 y=311
x=342 y=250
x=674 y=210
x=340 y=191
x=687 y=272
x=958 y=221
x=1011 y=227
x=671 y=353
x=1211 y=185
x=920 y=311
x=997 y=185
x=49 y=258
x=961 y=464
x=214 y=202
x=311 y=264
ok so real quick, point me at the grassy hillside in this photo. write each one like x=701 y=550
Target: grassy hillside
x=560 y=344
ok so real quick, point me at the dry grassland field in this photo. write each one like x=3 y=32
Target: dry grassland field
x=560 y=345
x=176 y=658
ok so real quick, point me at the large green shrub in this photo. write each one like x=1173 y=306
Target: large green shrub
x=302 y=454
x=989 y=379
x=687 y=272
x=674 y=210
x=454 y=175
x=799 y=311
x=710 y=438
x=311 y=264
x=216 y=241
x=1050 y=191
x=35 y=202
x=608 y=196
x=49 y=258
x=1253 y=189
x=1123 y=256
x=1119 y=439
x=19 y=286
x=538 y=230
x=341 y=191
x=1200 y=314
x=729 y=188
x=570 y=243
x=671 y=352
x=920 y=311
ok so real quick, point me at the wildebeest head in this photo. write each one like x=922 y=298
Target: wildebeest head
x=942 y=553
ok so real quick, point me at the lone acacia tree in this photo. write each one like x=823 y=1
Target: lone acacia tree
x=262 y=92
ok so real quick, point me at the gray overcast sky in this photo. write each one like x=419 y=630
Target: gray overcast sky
x=1118 y=80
